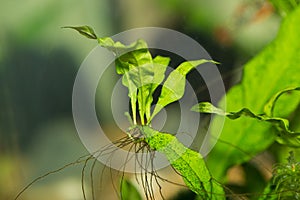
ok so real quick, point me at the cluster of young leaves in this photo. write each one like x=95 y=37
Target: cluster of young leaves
x=142 y=74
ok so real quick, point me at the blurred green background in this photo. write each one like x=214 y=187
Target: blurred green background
x=39 y=62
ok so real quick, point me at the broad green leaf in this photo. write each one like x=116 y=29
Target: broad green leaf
x=84 y=30
x=128 y=191
x=275 y=68
x=173 y=87
x=188 y=163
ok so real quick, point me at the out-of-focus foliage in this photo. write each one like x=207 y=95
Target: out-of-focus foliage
x=128 y=191
x=284 y=7
x=275 y=68
x=38 y=63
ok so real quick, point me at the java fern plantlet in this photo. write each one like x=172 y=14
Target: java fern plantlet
x=142 y=74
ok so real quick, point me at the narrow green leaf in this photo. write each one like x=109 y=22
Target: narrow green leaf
x=132 y=93
x=285 y=136
x=173 y=88
x=128 y=191
x=206 y=107
x=84 y=30
x=188 y=163
x=139 y=78
x=160 y=65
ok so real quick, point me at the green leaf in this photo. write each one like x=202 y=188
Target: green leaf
x=133 y=55
x=188 y=163
x=285 y=6
x=160 y=65
x=285 y=135
x=84 y=30
x=269 y=107
x=173 y=88
x=139 y=78
x=206 y=107
x=132 y=93
x=134 y=62
x=128 y=191
x=274 y=69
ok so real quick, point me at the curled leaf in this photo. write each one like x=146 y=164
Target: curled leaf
x=269 y=106
x=285 y=136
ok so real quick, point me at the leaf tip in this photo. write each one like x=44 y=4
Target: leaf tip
x=87 y=31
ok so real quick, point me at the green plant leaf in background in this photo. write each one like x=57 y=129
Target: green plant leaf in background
x=275 y=68
x=284 y=7
x=188 y=163
x=128 y=191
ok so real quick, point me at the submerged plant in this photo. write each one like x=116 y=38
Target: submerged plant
x=286 y=178
x=142 y=75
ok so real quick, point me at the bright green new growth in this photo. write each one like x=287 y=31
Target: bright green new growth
x=142 y=74
x=286 y=136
